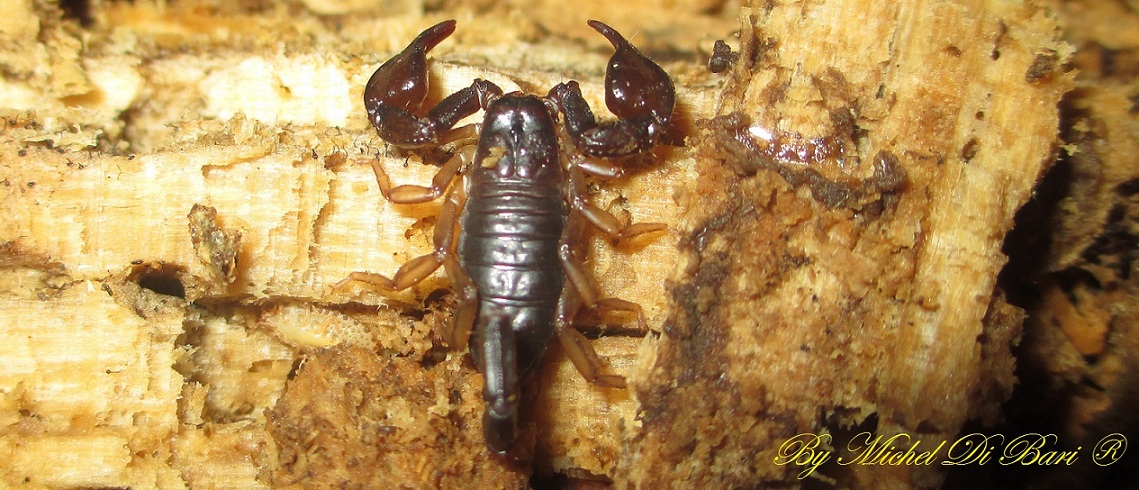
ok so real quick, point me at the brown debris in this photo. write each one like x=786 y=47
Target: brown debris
x=351 y=419
x=216 y=247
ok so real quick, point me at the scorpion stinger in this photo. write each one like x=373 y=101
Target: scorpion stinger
x=637 y=91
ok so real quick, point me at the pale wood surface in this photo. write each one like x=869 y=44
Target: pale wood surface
x=771 y=313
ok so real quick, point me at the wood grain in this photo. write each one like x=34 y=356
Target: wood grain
x=804 y=286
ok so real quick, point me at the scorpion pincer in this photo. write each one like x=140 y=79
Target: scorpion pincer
x=511 y=240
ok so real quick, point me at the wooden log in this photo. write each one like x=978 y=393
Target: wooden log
x=180 y=193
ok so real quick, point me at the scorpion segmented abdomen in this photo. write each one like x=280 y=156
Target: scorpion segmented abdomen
x=510 y=241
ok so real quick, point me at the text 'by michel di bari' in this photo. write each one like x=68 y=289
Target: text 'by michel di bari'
x=809 y=451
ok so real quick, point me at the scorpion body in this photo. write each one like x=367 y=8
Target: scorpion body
x=514 y=218
x=512 y=238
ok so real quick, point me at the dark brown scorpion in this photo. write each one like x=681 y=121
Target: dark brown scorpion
x=513 y=237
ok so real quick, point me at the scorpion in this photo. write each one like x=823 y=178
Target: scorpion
x=511 y=240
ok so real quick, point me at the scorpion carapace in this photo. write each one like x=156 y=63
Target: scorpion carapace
x=511 y=237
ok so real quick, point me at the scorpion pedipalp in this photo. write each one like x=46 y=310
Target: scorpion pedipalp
x=397 y=89
x=637 y=91
x=634 y=84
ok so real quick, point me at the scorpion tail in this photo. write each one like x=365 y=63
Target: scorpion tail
x=495 y=353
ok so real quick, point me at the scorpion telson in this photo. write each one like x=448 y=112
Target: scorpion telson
x=512 y=239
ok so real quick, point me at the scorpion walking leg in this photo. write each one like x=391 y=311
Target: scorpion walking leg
x=417 y=269
x=612 y=227
x=571 y=250
x=587 y=294
x=577 y=347
x=459 y=332
x=603 y=220
x=581 y=291
x=412 y=194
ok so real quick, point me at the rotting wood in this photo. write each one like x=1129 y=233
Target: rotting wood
x=784 y=310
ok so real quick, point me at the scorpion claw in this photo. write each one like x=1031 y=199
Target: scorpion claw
x=397 y=89
x=637 y=91
x=401 y=82
x=634 y=84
